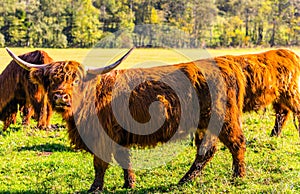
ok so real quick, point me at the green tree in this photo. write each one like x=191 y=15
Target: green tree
x=116 y=15
x=277 y=17
x=83 y=26
x=12 y=22
x=17 y=28
x=176 y=23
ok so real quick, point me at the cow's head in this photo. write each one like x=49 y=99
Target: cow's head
x=37 y=57
x=60 y=79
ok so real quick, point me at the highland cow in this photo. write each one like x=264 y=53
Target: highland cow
x=94 y=107
x=268 y=76
x=17 y=90
x=263 y=73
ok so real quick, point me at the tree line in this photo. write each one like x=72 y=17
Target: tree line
x=149 y=23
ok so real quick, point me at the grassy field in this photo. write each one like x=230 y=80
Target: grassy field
x=33 y=161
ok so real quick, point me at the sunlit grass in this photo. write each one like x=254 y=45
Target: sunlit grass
x=41 y=161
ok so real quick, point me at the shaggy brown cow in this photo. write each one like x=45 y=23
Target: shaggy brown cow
x=76 y=95
x=66 y=84
x=267 y=77
x=16 y=89
x=263 y=73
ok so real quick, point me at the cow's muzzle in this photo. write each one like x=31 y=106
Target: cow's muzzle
x=61 y=100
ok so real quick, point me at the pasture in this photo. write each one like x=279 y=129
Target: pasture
x=34 y=161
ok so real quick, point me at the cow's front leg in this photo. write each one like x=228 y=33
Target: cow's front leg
x=122 y=156
x=100 y=167
x=28 y=112
x=42 y=114
x=206 y=147
x=49 y=115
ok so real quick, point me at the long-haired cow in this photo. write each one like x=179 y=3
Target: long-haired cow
x=16 y=89
x=219 y=86
x=268 y=77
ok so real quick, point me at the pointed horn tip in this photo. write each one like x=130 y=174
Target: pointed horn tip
x=110 y=67
x=128 y=52
x=132 y=48
x=14 y=56
x=9 y=51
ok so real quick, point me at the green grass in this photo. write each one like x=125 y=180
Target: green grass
x=33 y=161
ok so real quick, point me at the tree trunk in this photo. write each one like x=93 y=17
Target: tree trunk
x=272 y=40
x=260 y=33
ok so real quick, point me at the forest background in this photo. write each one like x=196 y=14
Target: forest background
x=149 y=23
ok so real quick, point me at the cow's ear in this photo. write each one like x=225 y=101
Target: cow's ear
x=37 y=76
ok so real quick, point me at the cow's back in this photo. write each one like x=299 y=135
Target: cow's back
x=268 y=76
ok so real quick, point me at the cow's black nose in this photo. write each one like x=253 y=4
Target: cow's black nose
x=61 y=97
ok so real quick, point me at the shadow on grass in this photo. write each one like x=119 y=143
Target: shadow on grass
x=48 y=147
x=11 y=129
x=11 y=192
x=17 y=127
x=155 y=189
x=158 y=189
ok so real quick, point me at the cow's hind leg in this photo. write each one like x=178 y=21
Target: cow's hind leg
x=297 y=116
x=282 y=114
x=201 y=158
x=100 y=167
x=10 y=119
x=122 y=156
x=292 y=102
x=234 y=140
x=10 y=115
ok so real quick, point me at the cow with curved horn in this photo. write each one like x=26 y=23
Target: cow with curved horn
x=79 y=95
x=17 y=90
x=68 y=85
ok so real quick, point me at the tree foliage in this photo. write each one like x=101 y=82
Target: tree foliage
x=176 y=23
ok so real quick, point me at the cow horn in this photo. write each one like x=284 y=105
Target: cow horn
x=23 y=63
x=103 y=70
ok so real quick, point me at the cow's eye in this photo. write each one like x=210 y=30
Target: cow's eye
x=55 y=80
x=76 y=82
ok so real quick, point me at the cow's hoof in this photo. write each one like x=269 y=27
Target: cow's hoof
x=128 y=186
x=95 y=189
x=56 y=127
